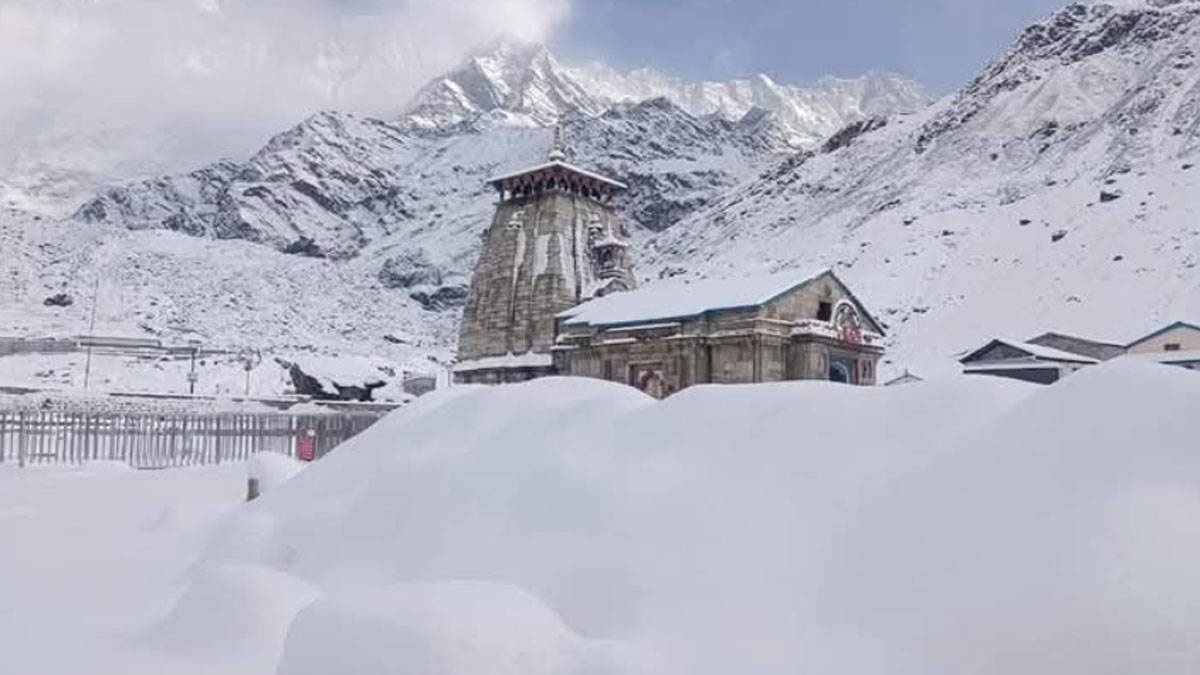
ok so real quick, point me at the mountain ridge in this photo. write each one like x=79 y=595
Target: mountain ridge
x=524 y=84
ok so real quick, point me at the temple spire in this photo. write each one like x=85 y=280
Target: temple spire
x=558 y=153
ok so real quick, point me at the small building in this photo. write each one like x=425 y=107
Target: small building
x=1177 y=344
x=669 y=336
x=1180 y=336
x=418 y=384
x=1024 y=361
x=906 y=378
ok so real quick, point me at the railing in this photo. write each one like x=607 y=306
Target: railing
x=157 y=441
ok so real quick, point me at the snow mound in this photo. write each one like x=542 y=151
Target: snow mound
x=967 y=525
x=272 y=469
x=438 y=628
x=242 y=611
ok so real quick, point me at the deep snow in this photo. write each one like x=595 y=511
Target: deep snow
x=956 y=526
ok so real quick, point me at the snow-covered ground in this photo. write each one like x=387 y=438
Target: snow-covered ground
x=94 y=558
x=965 y=526
x=221 y=376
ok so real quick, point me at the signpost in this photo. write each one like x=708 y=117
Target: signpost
x=250 y=358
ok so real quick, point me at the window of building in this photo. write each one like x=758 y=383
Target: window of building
x=1171 y=347
x=824 y=311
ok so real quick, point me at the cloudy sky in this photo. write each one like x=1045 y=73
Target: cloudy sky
x=114 y=87
x=110 y=88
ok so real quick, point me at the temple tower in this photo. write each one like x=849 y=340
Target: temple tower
x=554 y=242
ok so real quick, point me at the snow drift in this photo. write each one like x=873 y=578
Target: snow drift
x=570 y=526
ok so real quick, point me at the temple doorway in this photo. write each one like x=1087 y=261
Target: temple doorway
x=839 y=371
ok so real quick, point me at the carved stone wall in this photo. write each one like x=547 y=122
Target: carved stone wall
x=727 y=347
x=540 y=257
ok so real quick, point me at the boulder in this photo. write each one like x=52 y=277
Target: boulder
x=445 y=297
x=59 y=300
x=409 y=269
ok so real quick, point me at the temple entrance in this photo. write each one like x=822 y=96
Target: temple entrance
x=650 y=378
x=839 y=371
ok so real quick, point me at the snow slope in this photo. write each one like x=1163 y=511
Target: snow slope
x=1056 y=191
x=965 y=526
x=228 y=294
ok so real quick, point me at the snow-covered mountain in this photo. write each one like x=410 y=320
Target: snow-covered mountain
x=524 y=84
x=806 y=115
x=1058 y=190
x=343 y=236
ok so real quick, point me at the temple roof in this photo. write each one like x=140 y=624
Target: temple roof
x=682 y=300
x=559 y=164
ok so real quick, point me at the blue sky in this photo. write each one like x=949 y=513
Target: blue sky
x=941 y=43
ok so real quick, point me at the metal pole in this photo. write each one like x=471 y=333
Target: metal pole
x=192 y=375
x=87 y=368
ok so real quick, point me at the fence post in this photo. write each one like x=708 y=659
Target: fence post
x=21 y=440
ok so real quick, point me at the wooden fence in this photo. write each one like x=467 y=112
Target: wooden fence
x=159 y=441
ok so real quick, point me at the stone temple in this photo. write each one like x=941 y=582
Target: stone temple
x=553 y=294
x=675 y=334
x=554 y=242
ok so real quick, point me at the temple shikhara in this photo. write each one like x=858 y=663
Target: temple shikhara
x=554 y=242
x=554 y=293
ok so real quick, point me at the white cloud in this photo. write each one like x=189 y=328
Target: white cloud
x=118 y=86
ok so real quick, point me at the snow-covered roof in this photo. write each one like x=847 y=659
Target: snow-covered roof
x=1024 y=364
x=1079 y=338
x=526 y=360
x=1037 y=351
x=906 y=378
x=681 y=300
x=561 y=165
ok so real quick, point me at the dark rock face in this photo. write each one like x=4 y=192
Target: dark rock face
x=305 y=246
x=1106 y=197
x=443 y=298
x=847 y=135
x=363 y=393
x=409 y=269
x=59 y=300
x=307 y=385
